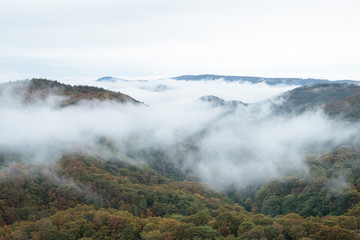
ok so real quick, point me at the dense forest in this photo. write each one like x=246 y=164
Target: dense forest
x=84 y=195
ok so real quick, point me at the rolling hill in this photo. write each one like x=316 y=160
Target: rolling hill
x=35 y=90
x=325 y=96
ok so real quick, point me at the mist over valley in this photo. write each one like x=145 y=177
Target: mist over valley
x=269 y=149
x=172 y=120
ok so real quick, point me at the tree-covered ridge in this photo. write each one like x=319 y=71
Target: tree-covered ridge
x=78 y=179
x=314 y=96
x=270 y=81
x=40 y=89
x=85 y=197
x=330 y=187
x=338 y=100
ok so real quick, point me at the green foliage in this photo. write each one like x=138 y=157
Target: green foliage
x=84 y=197
x=330 y=188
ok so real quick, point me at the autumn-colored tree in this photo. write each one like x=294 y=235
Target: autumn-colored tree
x=224 y=230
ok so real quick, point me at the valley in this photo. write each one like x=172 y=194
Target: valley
x=83 y=162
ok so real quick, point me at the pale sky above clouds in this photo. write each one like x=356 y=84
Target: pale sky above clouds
x=279 y=38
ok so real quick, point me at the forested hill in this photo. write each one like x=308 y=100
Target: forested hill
x=30 y=91
x=327 y=96
x=335 y=99
x=270 y=81
x=86 y=197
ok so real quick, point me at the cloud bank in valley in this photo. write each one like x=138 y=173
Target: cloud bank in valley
x=241 y=149
x=234 y=147
x=176 y=91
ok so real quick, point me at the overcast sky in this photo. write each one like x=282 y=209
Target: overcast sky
x=92 y=38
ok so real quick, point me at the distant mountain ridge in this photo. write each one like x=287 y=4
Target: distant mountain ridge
x=107 y=79
x=115 y=79
x=270 y=81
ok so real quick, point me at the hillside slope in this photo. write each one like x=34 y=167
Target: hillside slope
x=85 y=197
x=348 y=108
x=35 y=90
x=314 y=97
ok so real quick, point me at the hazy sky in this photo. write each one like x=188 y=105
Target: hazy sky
x=93 y=38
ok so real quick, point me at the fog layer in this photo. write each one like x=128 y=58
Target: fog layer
x=234 y=147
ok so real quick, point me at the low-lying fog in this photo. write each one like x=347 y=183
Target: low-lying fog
x=237 y=147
